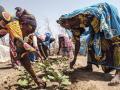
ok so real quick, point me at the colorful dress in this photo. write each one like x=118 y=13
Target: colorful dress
x=12 y=27
x=66 y=46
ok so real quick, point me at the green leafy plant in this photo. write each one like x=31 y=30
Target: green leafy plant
x=53 y=73
x=25 y=79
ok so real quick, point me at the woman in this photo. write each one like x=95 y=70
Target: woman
x=65 y=45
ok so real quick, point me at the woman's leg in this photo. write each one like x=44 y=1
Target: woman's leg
x=27 y=65
x=116 y=78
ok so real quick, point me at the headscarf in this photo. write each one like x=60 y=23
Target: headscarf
x=67 y=42
x=19 y=11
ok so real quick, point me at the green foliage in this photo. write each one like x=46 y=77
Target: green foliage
x=54 y=72
x=23 y=82
x=25 y=79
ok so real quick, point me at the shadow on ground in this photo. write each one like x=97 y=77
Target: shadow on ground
x=79 y=74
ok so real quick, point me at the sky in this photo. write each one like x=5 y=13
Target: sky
x=51 y=9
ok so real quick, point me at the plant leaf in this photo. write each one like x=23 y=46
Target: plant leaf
x=23 y=82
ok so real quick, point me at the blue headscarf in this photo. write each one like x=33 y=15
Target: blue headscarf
x=109 y=22
x=107 y=14
x=47 y=39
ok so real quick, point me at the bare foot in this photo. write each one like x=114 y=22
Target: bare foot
x=72 y=64
x=42 y=85
x=115 y=80
x=16 y=67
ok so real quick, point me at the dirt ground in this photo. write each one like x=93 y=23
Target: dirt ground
x=81 y=80
x=8 y=76
x=95 y=80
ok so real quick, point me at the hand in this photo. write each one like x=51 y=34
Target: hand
x=72 y=64
x=57 y=53
x=36 y=48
